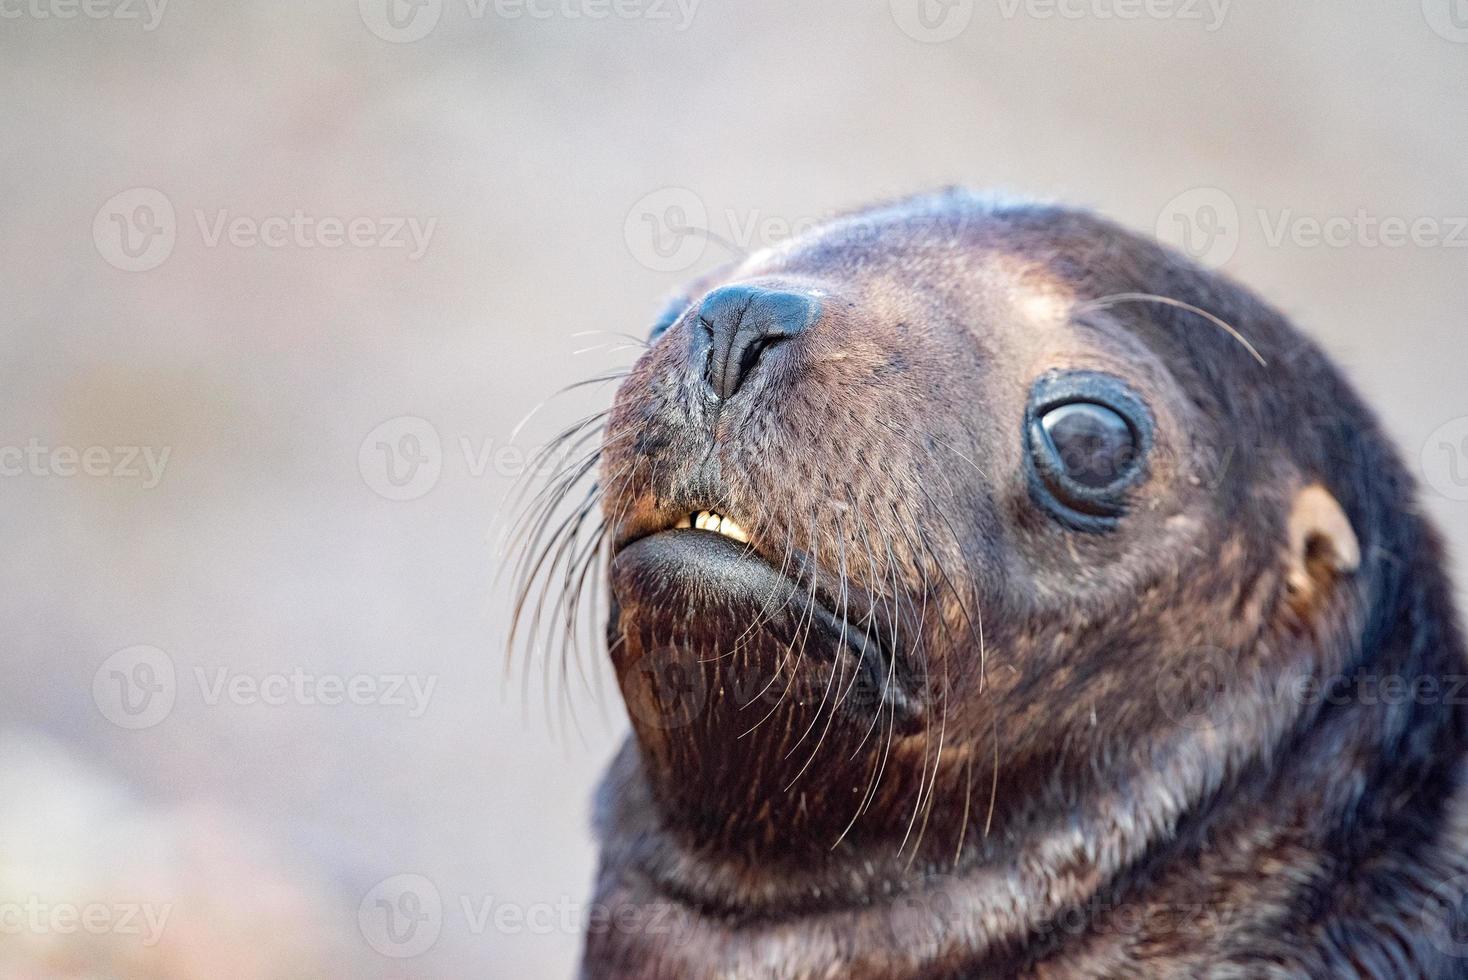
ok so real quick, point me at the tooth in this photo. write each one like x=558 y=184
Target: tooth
x=712 y=520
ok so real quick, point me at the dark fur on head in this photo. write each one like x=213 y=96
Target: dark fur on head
x=967 y=738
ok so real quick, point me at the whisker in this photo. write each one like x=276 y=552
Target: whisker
x=1105 y=302
x=807 y=618
x=586 y=382
x=640 y=341
x=968 y=798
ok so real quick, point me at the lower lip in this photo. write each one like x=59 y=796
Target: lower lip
x=692 y=557
x=684 y=566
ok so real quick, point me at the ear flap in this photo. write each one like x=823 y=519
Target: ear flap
x=1322 y=543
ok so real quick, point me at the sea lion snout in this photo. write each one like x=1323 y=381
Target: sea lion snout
x=740 y=324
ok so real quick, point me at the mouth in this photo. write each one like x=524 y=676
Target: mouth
x=675 y=565
x=711 y=520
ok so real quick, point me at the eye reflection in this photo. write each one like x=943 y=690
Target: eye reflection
x=1093 y=445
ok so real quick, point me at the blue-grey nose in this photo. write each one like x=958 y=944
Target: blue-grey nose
x=744 y=322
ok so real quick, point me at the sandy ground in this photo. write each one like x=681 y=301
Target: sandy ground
x=280 y=279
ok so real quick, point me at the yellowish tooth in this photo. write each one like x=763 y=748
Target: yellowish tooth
x=712 y=520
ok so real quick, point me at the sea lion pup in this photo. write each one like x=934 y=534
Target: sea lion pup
x=997 y=593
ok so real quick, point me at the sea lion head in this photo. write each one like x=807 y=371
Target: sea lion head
x=946 y=500
x=971 y=563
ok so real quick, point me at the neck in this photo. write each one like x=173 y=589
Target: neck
x=1062 y=861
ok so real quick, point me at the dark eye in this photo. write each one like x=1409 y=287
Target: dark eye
x=1093 y=445
x=1088 y=438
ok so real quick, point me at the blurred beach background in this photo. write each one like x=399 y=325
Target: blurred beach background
x=280 y=280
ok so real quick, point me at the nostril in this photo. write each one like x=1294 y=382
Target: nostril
x=743 y=323
x=748 y=360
